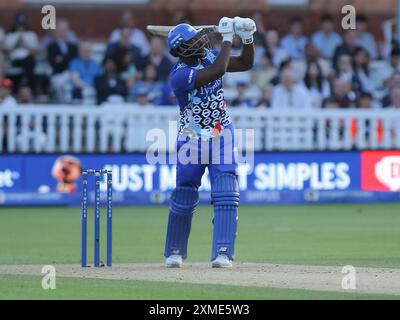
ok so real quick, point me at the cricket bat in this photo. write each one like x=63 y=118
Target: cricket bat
x=163 y=31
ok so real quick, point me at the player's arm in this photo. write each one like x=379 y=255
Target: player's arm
x=243 y=62
x=244 y=28
x=217 y=69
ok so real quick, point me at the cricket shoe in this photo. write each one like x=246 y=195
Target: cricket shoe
x=221 y=261
x=174 y=261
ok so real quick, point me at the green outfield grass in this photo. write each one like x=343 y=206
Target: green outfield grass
x=359 y=235
x=26 y=287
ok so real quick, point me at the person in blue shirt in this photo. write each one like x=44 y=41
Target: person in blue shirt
x=84 y=70
x=295 y=42
x=206 y=133
x=326 y=40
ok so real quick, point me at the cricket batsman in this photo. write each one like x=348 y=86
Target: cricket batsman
x=206 y=132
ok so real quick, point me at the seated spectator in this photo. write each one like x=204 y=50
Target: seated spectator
x=21 y=46
x=142 y=97
x=362 y=79
x=266 y=96
x=131 y=74
x=50 y=36
x=395 y=105
x=241 y=100
x=393 y=82
x=326 y=39
x=84 y=70
x=138 y=38
x=124 y=53
x=285 y=65
x=395 y=60
x=2 y=37
x=150 y=83
x=311 y=53
x=365 y=101
x=110 y=86
x=348 y=47
x=295 y=42
x=1 y=65
x=344 y=68
x=158 y=57
x=259 y=35
x=342 y=94
x=331 y=104
x=289 y=94
x=317 y=86
x=262 y=77
x=392 y=66
x=60 y=53
x=273 y=48
x=365 y=39
x=6 y=99
x=259 y=39
x=395 y=98
x=25 y=95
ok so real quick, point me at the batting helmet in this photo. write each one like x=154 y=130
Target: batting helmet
x=186 y=41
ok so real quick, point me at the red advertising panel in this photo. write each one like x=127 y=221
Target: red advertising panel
x=380 y=170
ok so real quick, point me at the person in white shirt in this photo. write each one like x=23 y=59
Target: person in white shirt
x=345 y=68
x=362 y=77
x=316 y=84
x=289 y=94
x=6 y=99
x=395 y=105
x=138 y=38
x=395 y=98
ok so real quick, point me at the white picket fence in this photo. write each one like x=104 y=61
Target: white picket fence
x=123 y=128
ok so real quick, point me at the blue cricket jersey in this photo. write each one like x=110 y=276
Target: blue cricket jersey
x=202 y=111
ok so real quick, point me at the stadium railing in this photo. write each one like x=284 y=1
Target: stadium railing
x=124 y=128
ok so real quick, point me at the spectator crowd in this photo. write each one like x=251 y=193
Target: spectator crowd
x=327 y=69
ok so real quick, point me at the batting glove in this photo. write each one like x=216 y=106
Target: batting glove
x=226 y=29
x=245 y=28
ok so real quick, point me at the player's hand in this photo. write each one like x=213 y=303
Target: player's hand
x=226 y=29
x=245 y=28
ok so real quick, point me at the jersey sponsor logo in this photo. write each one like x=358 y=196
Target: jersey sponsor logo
x=190 y=78
x=196 y=109
x=210 y=88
